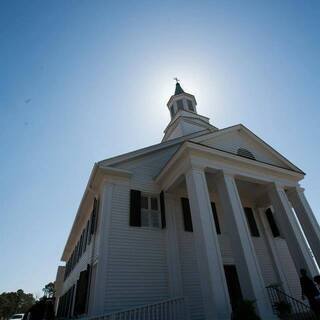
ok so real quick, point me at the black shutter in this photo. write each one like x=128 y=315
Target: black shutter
x=163 y=210
x=96 y=211
x=76 y=300
x=215 y=217
x=272 y=223
x=94 y=216
x=77 y=252
x=252 y=222
x=135 y=208
x=186 y=215
x=73 y=259
x=82 y=292
x=86 y=233
x=80 y=245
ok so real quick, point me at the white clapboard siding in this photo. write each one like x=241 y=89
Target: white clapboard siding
x=189 y=267
x=263 y=254
x=288 y=266
x=265 y=260
x=137 y=272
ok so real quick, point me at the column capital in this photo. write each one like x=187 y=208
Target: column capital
x=194 y=168
x=228 y=173
x=275 y=186
x=170 y=196
x=225 y=174
x=294 y=190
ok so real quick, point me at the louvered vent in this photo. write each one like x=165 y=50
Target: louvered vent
x=245 y=153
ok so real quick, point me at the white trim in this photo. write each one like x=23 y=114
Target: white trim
x=217 y=159
x=105 y=216
x=172 y=246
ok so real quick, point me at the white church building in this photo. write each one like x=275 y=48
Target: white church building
x=187 y=228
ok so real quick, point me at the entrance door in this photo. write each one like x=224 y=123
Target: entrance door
x=233 y=284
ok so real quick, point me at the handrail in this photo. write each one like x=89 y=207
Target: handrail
x=287 y=296
x=287 y=307
x=173 y=309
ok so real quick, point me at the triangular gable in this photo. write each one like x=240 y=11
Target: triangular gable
x=232 y=138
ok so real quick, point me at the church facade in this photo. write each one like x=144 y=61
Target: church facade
x=199 y=222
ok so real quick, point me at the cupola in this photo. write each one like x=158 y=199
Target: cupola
x=184 y=116
x=181 y=101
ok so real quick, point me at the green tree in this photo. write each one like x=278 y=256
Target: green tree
x=49 y=290
x=15 y=302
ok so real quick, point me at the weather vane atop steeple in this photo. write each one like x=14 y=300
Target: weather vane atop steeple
x=177 y=80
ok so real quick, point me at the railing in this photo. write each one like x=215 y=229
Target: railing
x=173 y=309
x=287 y=307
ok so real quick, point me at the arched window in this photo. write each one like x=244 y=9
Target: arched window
x=245 y=153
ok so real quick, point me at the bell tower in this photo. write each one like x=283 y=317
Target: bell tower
x=184 y=116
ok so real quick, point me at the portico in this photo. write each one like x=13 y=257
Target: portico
x=201 y=173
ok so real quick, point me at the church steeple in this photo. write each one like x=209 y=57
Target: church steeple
x=184 y=116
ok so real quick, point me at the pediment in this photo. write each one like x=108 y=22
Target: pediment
x=239 y=137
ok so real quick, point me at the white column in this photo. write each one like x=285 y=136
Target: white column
x=291 y=230
x=277 y=265
x=172 y=244
x=104 y=221
x=250 y=276
x=213 y=284
x=307 y=219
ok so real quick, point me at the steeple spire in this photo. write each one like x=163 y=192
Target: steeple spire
x=178 y=90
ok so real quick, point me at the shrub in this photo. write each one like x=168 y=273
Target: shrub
x=283 y=309
x=245 y=309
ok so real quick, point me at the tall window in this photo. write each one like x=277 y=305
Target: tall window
x=252 y=222
x=186 y=212
x=215 y=217
x=150 y=211
x=272 y=223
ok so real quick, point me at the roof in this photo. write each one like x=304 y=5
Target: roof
x=178 y=90
x=152 y=148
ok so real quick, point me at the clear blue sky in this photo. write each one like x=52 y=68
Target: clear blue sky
x=81 y=81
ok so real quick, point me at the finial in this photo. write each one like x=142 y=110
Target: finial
x=177 y=80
